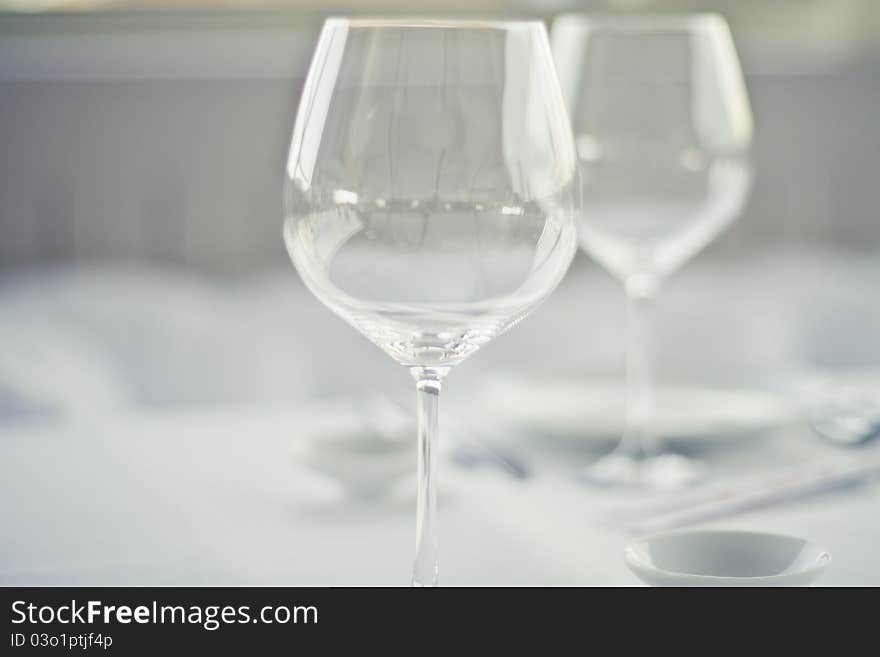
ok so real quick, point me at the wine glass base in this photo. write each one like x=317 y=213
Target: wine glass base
x=660 y=472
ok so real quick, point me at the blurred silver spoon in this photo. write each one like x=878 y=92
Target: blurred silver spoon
x=846 y=429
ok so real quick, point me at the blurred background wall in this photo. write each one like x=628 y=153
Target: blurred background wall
x=143 y=131
x=142 y=147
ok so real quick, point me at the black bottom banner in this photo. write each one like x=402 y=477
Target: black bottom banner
x=150 y=621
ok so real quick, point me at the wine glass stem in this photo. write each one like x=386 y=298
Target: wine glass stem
x=639 y=436
x=428 y=383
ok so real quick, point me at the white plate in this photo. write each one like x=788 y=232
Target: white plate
x=725 y=558
x=590 y=412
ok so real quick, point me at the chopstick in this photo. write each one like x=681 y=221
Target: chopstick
x=781 y=486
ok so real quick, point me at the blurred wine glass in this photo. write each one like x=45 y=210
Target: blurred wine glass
x=429 y=196
x=662 y=126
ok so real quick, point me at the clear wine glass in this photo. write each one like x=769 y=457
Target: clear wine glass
x=662 y=129
x=429 y=196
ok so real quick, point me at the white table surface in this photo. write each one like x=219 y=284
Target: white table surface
x=217 y=497
x=148 y=435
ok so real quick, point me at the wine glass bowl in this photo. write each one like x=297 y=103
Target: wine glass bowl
x=437 y=209
x=430 y=191
x=662 y=125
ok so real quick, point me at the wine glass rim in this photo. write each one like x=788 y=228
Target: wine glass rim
x=643 y=22
x=430 y=22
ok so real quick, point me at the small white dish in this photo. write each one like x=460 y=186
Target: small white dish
x=725 y=558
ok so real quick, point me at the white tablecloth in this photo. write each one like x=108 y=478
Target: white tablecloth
x=218 y=497
x=147 y=426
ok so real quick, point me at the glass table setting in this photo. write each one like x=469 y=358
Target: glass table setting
x=442 y=177
x=432 y=232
